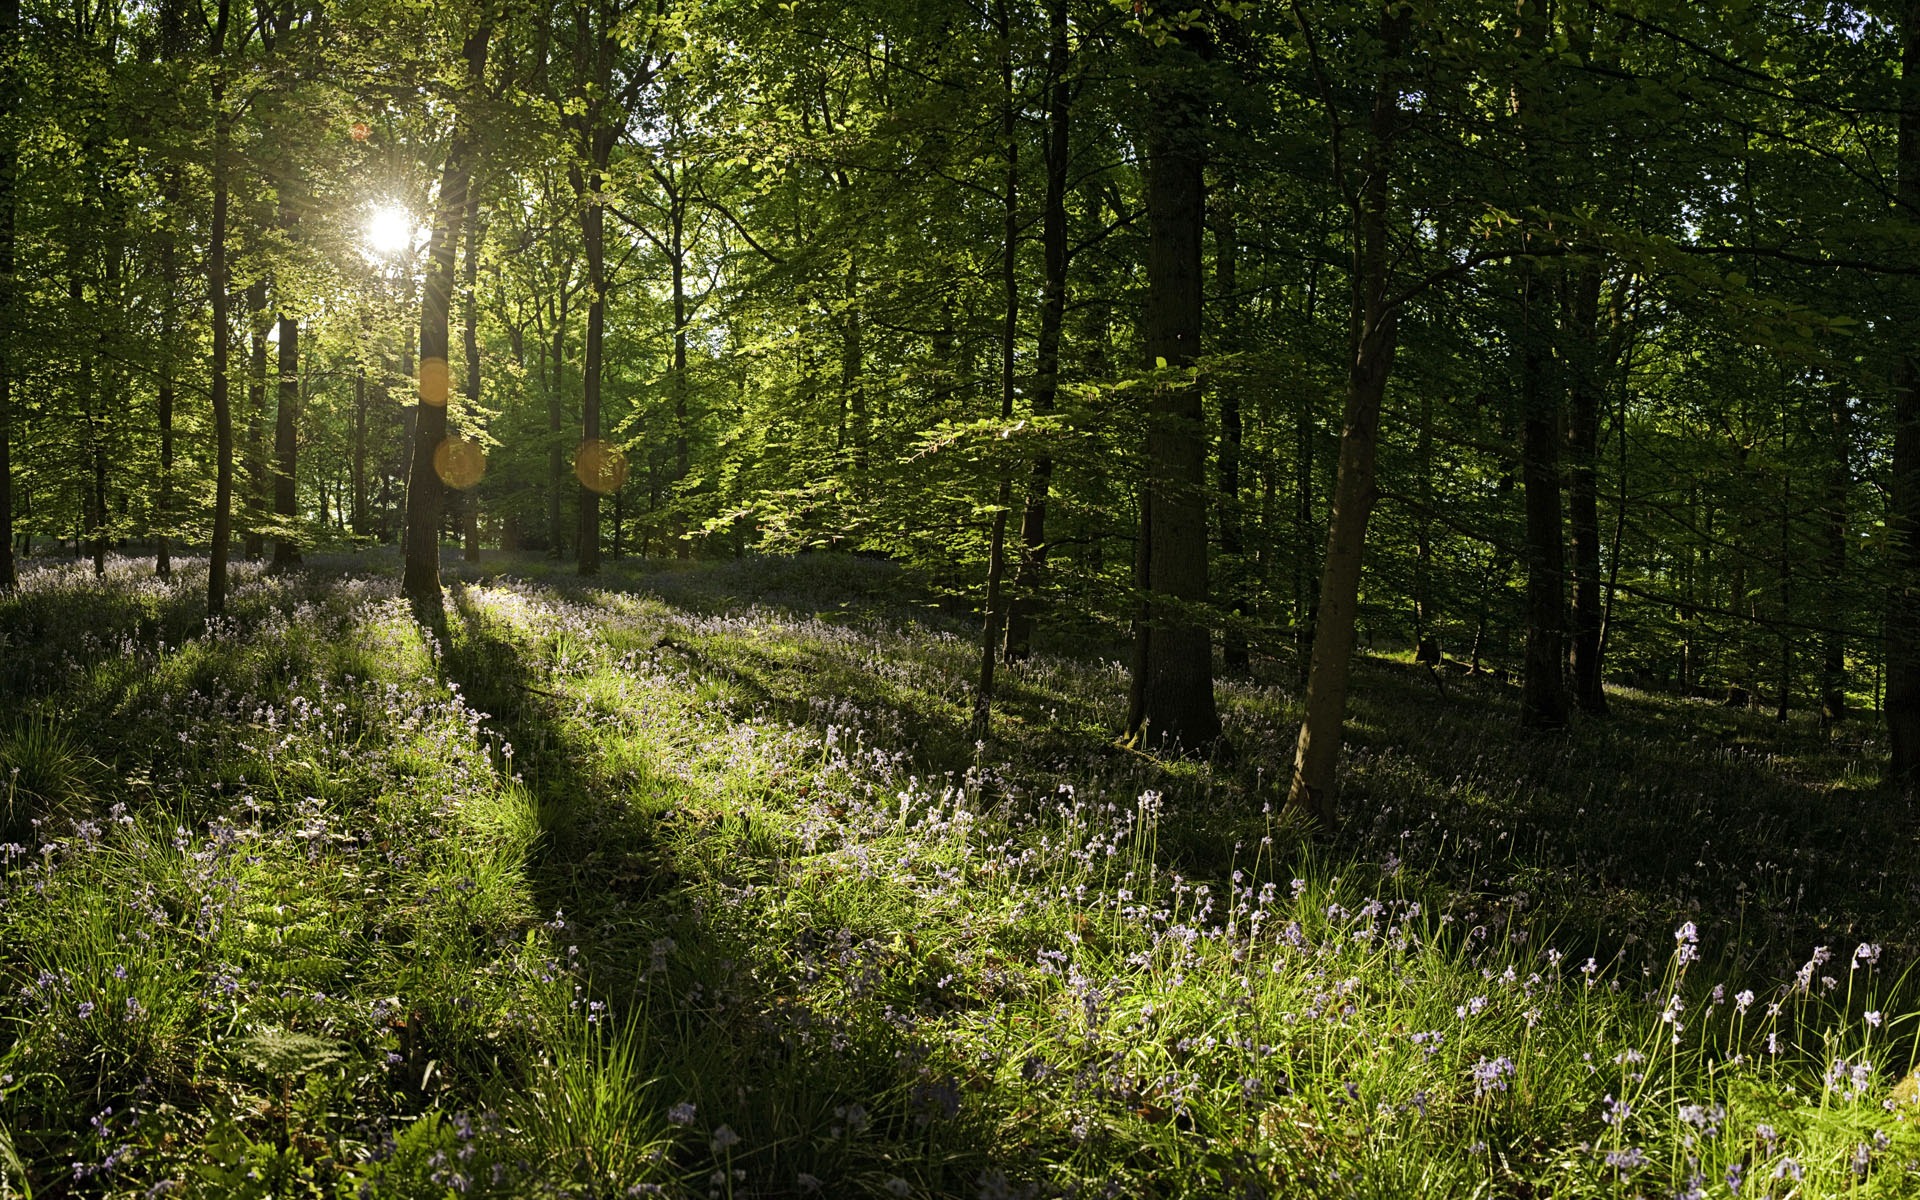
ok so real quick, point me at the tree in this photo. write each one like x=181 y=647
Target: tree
x=1171 y=701
x=1374 y=325
x=426 y=494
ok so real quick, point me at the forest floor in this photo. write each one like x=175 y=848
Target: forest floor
x=693 y=883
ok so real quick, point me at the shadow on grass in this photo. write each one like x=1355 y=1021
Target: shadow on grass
x=641 y=866
x=1665 y=811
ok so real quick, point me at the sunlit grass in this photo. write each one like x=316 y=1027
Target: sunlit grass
x=676 y=886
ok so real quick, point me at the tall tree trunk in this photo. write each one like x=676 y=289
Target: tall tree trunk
x=257 y=478
x=1902 y=702
x=222 y=330
x=556 y=417
x=682 y=462
x=1226 y=242
x=358 y=521
x=1009 y=329
x=94 y=506
x=1833 y=656
x=1426 y=647
x=1785 y=701
x=1543 y=693
x=9 y=159
x=286 y=447
x=1372 y=337
x=426 y=496
x=1586 y=393
x=164 y=387
x=855 y=434
x=593 y=236
x=1028 y=575
x=470 y=336
x=1175 y=708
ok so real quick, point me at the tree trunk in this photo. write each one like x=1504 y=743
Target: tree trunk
x=9 y=159
x=592 y=478
x=1009 y=329
x=286 y=447
x=556 y=416
x=1588 y=388
x=1028 y=575
x=426 y=496
x=1176 y=706
x=359 y=517
x=469 y=495
x=222 y=331
x=1426 y=647
x=1903 y=502
x=682 y=462
x=164 y=388
x=255 y=456
x=1833 y=657
x=1543 y=693
x=1226 y=242
x=1372 y=337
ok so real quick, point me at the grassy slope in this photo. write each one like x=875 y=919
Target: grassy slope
x=694 y=883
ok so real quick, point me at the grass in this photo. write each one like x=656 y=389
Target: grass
x=694 y=883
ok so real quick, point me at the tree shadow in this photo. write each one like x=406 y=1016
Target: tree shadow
x=641 y=866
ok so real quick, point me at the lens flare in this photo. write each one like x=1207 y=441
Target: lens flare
x=459 y=462
x=600 y=466
x=433 y=382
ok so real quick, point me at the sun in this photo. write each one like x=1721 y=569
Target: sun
x=389 y=230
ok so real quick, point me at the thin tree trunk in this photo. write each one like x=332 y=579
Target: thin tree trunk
x=1785 y=701
x=556 y=455
x=682 y=462
x=222 y=331
x=359 y=518
x=257 y=481
x=286 y=447
x=426 y=496
x=1833 y=660
x=1009 y=328
x=1901 y=701
x=1029 y=574
x=1583 y=498
x=164 y=389
x=9 y=159
x=1426 y=648
x=470 y=336
x=593 y=237
x=1373 y=330
x=1235 y=656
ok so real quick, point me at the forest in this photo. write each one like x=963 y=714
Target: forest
x=990 y=598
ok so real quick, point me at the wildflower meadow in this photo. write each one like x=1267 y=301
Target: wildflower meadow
x=693 y=882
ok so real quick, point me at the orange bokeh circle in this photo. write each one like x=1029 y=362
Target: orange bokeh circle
x=600 y=466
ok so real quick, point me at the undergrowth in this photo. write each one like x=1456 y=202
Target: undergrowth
x=693 y=882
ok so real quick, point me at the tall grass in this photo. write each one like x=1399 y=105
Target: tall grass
x=695 y=883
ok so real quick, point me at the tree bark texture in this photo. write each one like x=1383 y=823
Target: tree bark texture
x=222 y=331
x=470 y=321
x=1902 y=703
x=9 y=159
x=1009 y=331
x=426 y=495
x=1372 y=336
x=1175 y=709
x=286 y=447
x=1586 y=394
x=1029 y=574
